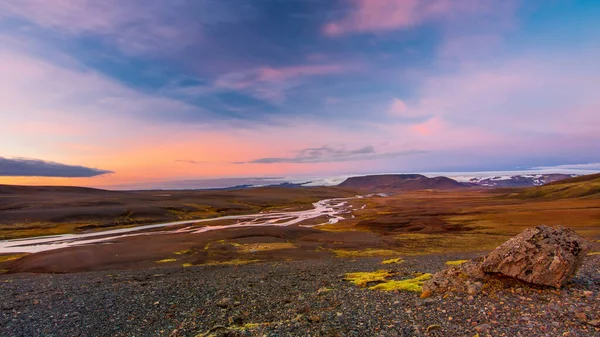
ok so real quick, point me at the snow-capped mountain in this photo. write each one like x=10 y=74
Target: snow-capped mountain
x=514 y=180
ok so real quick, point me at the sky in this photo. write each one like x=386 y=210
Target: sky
x=117 y=92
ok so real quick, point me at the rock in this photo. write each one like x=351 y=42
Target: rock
x=314 y=319
x=433 y=327
x=482 y=327
x=474 y=288
x=542 y=255
x=426 y=294
x=237 y=320
x=594 y=323
x=581 y=316
x=455 y=277
x=224 y=302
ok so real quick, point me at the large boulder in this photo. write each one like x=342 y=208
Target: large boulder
x=542 y=255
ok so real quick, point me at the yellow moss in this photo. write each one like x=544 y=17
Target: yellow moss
x=361 y=279
x=3 y=271
x=324 y=290
x=221 y=242
x=4 y=258
x=182 y=252
x=456 y=262
x=228 y=263
x=593 y=253
x=185 y=265
x=259 y=247
x=413 y=284
x=390 y=261
x=166 y=260
x=370 y=252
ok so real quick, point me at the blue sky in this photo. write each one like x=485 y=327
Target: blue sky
x=149 y=90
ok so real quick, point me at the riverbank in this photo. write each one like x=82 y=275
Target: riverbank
x=293 y=298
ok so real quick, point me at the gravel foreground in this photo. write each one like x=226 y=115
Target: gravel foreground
x=295 y=298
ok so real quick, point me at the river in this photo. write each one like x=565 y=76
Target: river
x=333 y=209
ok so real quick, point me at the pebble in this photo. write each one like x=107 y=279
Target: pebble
x=224 y=302
x=482 y=327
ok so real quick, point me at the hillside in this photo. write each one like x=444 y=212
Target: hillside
x=21 y=189
x=583 y=186
x=407 y=182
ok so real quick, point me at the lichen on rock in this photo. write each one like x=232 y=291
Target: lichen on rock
x=547 y=256
x=542 y=255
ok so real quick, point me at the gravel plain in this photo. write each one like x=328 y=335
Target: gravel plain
x=292 y=298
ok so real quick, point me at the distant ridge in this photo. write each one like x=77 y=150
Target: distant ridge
x=12 y=189
x=523 y=180
x=408 y=182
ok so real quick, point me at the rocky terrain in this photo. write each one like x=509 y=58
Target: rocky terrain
x=297 y=298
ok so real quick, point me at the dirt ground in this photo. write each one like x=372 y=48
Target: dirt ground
x=415 y=223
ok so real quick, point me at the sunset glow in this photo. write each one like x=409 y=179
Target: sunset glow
x=148 y=91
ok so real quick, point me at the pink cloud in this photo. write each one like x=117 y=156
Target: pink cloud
x=397 y=108
x=432 y=126
x=385 y=15
x=269 y=74
x=270 y=84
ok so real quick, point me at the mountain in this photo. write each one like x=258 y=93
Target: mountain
x=408 y=182
x=583 y=186
x=516 y=180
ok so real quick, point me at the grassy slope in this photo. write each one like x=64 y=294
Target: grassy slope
x=585 y=186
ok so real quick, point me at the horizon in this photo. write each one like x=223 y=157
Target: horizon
x=146 y=92
x=324 y=180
